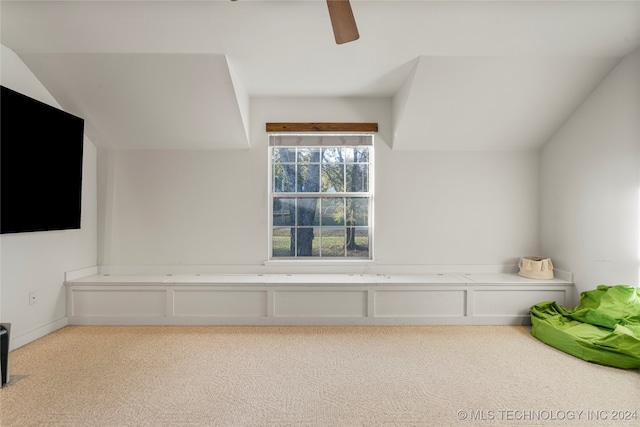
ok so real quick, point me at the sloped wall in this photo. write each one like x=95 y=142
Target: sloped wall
x=590 y=184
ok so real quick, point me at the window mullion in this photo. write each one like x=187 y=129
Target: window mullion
x=344 y=226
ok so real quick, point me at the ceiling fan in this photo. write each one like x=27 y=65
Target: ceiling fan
x=342 y=21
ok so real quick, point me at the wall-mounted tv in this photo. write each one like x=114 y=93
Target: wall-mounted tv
x=40 y=165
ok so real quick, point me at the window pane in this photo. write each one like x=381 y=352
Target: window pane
x=282 y=155
x=284 y=178
x=333 y=155
x=357 y=177
x=278 y=177
x=307 y=155
x=333 y=211
x=308 y=211
x=281 y=242
x=309 y=178
x=357 y=154
x=333 y=178
x=333 y=242
x=308 y=242
x=284 y=211
x=358 y=242
x=315 y=247
x=358 y=211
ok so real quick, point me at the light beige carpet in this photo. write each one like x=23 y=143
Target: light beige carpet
x=309 y=376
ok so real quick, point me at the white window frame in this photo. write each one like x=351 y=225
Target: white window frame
x=315 y=140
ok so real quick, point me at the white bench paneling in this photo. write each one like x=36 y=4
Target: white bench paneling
x=320 y=303
x=513 y=302
x=221 y=303
x=119 y=302
x=306 y=299
x=419 y=303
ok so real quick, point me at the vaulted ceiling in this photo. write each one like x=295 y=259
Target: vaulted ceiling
x=460 y=75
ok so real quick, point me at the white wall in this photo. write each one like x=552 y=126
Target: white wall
x=456 y=208
x=38 y=261
x=590 y=183
x=177 y=208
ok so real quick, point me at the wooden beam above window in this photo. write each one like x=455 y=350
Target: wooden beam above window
x=322 y=127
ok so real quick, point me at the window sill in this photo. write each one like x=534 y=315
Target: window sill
x=319 y=262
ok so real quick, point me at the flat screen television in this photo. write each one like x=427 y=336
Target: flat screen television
x=40 y=165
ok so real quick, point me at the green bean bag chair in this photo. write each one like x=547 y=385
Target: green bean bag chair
x=604 y=328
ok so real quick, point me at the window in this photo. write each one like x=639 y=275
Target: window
x=321 y=196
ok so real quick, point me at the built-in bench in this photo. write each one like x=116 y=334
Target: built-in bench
x=484 y=298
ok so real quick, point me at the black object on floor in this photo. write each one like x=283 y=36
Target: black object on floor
x=5 y=331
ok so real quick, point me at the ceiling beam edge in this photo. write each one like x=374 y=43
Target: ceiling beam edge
x=322 y=127
x=399 y=103
x=243 y=100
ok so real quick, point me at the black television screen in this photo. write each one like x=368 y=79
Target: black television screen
x=40 y=165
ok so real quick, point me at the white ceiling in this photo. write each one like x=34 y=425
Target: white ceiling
x=181 y=74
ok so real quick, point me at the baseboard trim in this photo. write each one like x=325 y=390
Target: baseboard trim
x=26 y=338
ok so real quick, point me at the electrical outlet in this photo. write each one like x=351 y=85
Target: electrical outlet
x=33 y=297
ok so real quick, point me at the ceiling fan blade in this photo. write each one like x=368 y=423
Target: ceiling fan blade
x=342 y=21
